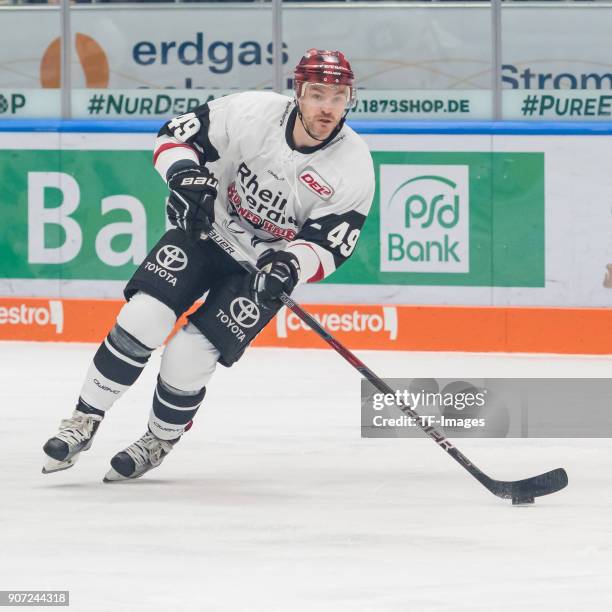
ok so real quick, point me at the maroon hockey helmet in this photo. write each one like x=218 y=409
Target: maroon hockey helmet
x=327 y=68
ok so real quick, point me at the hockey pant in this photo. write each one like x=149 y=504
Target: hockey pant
x=172 y=277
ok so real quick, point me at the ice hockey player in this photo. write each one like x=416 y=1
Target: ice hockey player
x=283 y=178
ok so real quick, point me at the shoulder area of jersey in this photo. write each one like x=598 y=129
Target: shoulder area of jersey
x=355 y=151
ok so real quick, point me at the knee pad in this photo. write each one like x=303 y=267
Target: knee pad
x=147 y=319
x=189 y=360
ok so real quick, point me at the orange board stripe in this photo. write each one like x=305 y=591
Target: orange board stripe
x=388 y=327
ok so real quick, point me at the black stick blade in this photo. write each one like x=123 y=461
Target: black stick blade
x=536 y=486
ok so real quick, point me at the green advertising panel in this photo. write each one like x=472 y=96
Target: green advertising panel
x=78 y=214
x=472 y=219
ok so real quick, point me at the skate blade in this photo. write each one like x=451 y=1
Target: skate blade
x=57 y=466
x=114 y=476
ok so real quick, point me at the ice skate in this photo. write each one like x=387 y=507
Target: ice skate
x=138 y=458
x=75 y=435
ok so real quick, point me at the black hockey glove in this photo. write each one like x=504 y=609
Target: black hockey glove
x=278 y=271
x=191 y=206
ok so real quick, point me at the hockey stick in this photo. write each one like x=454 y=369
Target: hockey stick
x=519 y=491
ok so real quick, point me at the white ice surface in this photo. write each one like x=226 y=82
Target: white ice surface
x=273 y=502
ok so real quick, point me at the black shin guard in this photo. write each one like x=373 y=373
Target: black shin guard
x=173 y=410
x=116 y=365
x=121 y=357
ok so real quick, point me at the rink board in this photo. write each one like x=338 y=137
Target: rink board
x=503 y=245
x=358 y=326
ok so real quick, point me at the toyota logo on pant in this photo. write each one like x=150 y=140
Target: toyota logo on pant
x=172 y=258
x=244 y=312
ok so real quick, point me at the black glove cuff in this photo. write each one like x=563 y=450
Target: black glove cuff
x=179 y=166
x=271 y=257
x=292 y=264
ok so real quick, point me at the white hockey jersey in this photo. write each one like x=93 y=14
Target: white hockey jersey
x=312 y=201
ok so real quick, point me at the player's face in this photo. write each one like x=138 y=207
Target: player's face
x=322 y=107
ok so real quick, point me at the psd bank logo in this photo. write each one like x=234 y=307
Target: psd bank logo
x=92 y=59
x=23 y=314
x=349 y=320
x=424 y=218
